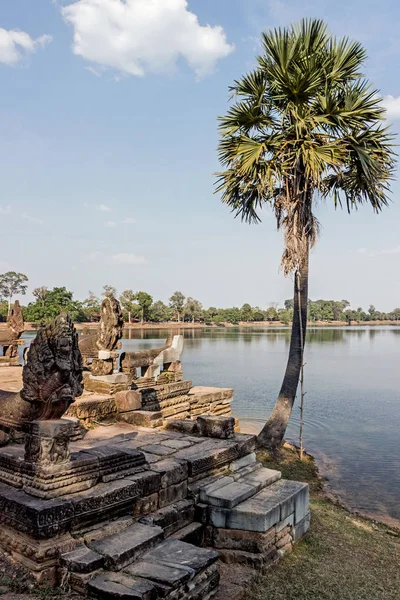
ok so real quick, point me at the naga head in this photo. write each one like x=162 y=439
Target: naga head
x=15 y=319
x=111 y=324
x=52 y=376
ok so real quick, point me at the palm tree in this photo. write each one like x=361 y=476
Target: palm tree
x=305 y=126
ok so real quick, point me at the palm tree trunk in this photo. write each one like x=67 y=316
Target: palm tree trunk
x=274 y=430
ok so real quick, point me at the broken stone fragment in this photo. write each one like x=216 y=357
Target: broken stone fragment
x=216 y=427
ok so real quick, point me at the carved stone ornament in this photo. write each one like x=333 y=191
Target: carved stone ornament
x=52 y=377
x=108 y=334
x=16 y=327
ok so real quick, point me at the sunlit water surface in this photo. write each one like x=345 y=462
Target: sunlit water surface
x=352 y=406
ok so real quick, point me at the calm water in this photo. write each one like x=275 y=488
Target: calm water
x=352 y=419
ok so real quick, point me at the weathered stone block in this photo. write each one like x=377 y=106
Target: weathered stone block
x=82 y=560
x=144 y=506
x=142 y=418
x=256 y=514
x=230 y=495
x=102 y=367
x=209 y=455
x=181 y=425
x=174 y=552
x=172 y=517
x=128 y=400
x=247 y=541
x=216 y=427
x=114 y=586
x=169 y=576
x=245 y=461
x=301 y=528
x=171 y=471
x=147 y=482
x=172 y=494
x=123 y=548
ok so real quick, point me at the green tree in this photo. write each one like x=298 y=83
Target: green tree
x=40 y=293
x=177 y=302
x=246 y=313
x=12 y=283
x=144 y=301
x=57 y=300
x=258 y=314
x=159 y=312
x=193 y=309
x=129 y=305
x=271 y=313
x=305 y=124
x=91 y=306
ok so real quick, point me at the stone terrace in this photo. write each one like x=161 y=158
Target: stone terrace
x=160 y=530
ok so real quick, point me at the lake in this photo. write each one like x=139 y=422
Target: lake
x=352 y=406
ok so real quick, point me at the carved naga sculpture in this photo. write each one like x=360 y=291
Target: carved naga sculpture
x=16 y=327
x=150 y=361
x=52 y=377
x=108 y=334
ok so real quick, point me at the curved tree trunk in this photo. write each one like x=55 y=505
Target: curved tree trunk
x=274 y=430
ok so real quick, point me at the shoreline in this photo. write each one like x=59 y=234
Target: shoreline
x=242 y=325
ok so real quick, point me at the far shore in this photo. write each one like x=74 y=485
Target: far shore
x=242 y=324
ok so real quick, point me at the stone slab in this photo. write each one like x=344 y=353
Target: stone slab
x=230 y=495
x=172 y=494
x=209 y=455
x=124 y=547
x=142 y=418
x=116 y=586
x=171 y=518
x=216 y=427
x=181 y=554
x=167 y=575
x=171 y=471
x=241 y=463
x=82 y=560
x=128 y=400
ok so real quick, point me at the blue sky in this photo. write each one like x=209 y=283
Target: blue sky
x=108 y=149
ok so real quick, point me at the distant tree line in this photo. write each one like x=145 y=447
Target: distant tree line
x=139 y=306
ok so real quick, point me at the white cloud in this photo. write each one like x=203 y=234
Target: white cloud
x=110 y=224
x=136 y=37
x=129 y=221
x=103 y=208
x=15 y=44
x=5 y=210
x=31 y=219
x=392 y=105
x=127 y=259
x=362 y=251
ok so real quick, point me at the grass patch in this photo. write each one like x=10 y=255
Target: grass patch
x=342 y=558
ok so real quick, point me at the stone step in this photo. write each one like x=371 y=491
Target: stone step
x=172 y=569
x=228 y=493
x=265 y=509
x=213 y=454
x=171 y=518
x=121 y=549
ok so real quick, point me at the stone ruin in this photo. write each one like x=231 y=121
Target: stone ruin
x=99 y=349
x=132 y=512
x=10 y=339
